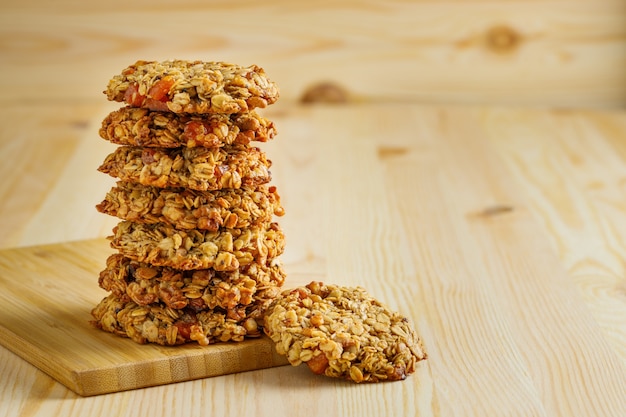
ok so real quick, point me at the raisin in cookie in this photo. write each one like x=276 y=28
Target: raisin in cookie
x=343 y=332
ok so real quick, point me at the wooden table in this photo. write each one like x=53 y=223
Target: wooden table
x=500 y=233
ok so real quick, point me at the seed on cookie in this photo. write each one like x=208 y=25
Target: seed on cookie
x=343 y=332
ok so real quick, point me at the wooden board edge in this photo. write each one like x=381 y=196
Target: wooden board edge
x=237 y=357
x=38 y=358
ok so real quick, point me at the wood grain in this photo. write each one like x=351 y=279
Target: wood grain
x=523 y=299
x=560 y=53
x=48 y=294
x=54 y=153
x=475 y=258
x=577 y=180
x=498 y=232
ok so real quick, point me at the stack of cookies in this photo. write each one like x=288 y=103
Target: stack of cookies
x=197 y=246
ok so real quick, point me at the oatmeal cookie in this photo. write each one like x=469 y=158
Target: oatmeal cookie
x=190 y=209
x=343 y=332
x=204 y=288
x=226 y=250
x=142 y=127
x=199 y=168
x=193 y=87
x=157 y=323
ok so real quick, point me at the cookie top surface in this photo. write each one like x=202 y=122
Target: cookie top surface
x=343 y=332
x=193 y=87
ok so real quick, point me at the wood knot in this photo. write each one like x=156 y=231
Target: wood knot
x=325 y=92
x=491 y=211
x=79 y=124
x=385 y=152
x=502 y=39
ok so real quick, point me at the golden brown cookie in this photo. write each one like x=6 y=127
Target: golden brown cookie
x=193 y=87
x=343 y=332
x=141 y=127
x=224 y=250
x=204 y=288
x=157 y=323
x=199 y=168
x=189 y=209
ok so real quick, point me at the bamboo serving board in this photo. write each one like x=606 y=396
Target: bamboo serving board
x=47 y=293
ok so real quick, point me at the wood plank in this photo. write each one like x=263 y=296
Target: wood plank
x=479 y=267
x=573 y=168
x=498 y=232
x=562 y=53
x=47 y=294
x=54 y=153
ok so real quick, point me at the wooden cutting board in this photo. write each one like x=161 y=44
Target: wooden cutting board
x=47 y=293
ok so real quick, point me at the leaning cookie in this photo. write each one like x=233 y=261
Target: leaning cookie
x=188 y=209
x=343 y=332
x=201 y=289
x=193 y=87
x=225 y=250
x=142 y=127
x=199 y=168
x=157 y=323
